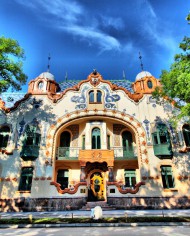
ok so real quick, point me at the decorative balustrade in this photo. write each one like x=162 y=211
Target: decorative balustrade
x=67 y=153
x=121 y=153
x=76 y=153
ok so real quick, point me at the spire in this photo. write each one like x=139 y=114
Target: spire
x=140 y=58
x=66 y=76
x=48 y=67
x=124 y=77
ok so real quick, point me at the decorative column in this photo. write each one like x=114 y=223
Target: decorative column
x=110 y=175
x=82 y=174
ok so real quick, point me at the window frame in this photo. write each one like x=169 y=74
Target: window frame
x=96 y=139
x=186 y=134
x=95 y=97
x=131 y=175
x=32 y=137
x=29 y=176
x=161 y=131
x=65 y=179
x=167 y=177
x=5 y=134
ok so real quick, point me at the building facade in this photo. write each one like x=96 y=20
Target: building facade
x=63 y=145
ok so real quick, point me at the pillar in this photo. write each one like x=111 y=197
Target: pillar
x=82 y=174
x=110 y=174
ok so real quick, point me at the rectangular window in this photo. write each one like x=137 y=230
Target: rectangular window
x=130 y=178
x=108 y=142
x=3 y=141
x=155 y=138
x=83 y=142
x=29 y=141
x=62 y=178
x=112 y=190
x=163 y=138
x=167 y=177
x=26 y=179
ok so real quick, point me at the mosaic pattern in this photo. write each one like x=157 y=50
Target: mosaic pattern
x=80 y=99
x=21 y=126
x=120 y=83
x=36 y=103
x=11 y=98
x=147 y=128
x=173 y=133
x=110 y=99
x=116 y=131
x=75 y=134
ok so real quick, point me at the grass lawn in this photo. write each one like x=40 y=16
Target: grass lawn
x=89 y=220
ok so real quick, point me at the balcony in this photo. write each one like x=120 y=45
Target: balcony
x=67 y=153
x=29 y=152
x=96 y=155
x=163 y=150
x=125 y=154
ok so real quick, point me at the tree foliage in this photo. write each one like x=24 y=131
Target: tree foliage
x=176 y=82
x=11 y=71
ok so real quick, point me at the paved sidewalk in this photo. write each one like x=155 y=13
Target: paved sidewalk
x=110 y=213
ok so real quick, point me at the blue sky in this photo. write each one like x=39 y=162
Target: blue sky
x=81 y=35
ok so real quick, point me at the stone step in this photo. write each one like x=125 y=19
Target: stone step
x=102 y=204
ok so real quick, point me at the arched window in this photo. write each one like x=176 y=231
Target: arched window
x=91 y=97
x=96 y=140
x=95 y=96
x=99 y=96
x=186 y=134
x=127 y=140
x=40 y=85
x=149 y=84
x=4 y=136
x=65 y=140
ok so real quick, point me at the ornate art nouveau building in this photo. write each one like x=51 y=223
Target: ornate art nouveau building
x=63 y=145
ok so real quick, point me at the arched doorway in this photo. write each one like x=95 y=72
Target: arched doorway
x=96 y=177
x=96 y=187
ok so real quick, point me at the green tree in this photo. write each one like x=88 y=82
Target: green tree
x=176 y=82
x=11 y=71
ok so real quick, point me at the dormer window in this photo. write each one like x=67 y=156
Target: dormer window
x=149 y=84
x=40 y=85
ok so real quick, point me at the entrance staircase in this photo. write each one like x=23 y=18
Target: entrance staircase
x=103 y=204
